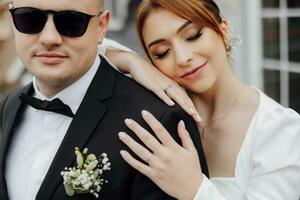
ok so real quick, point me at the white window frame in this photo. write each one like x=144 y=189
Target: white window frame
x=283 y=66
x=252 y=43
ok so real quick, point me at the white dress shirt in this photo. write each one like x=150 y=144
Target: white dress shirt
x=38 y=138
x=268 y=164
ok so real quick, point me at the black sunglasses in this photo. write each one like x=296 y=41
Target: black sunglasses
x=67 y=22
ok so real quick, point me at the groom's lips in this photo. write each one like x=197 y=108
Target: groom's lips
x=50 y=58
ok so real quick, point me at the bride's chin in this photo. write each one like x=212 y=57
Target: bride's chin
x=200 y=87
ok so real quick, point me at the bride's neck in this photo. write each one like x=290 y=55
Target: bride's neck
x=220 y=98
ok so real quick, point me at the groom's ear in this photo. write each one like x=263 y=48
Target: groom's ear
x=103 y=25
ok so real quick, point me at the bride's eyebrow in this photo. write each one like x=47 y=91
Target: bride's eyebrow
x=181 y=28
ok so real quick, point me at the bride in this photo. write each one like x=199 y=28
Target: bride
x=251 y=142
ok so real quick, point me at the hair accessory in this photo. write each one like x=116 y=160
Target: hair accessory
x=234 y=41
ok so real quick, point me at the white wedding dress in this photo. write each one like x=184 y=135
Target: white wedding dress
x=268 y=164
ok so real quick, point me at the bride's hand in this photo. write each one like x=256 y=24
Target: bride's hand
x=151 y=78
x=175 y=169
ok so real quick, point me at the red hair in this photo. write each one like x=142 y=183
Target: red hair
x=202 y=12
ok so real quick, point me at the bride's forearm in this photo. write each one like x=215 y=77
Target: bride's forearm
x=123 y=60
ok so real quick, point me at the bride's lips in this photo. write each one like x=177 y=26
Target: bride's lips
x=50 y=58
x=191 y=74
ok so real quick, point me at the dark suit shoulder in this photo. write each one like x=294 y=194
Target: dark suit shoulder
x=11 y=105
x=139 y=95
x=13 y=98
x=136 y=98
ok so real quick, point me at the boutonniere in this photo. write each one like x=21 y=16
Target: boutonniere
x=86 y=177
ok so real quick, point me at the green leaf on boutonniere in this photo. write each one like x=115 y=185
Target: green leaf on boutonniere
x=69 y=190
x=79 y=157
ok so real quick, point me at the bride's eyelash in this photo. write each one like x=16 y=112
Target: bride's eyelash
x=161 y=55
x=195 y=36
x=199 y=33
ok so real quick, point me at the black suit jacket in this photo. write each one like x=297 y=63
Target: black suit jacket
x=110 y=98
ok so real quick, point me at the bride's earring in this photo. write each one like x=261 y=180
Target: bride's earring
x=234 y=41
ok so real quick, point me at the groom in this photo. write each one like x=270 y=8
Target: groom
x=76 y=99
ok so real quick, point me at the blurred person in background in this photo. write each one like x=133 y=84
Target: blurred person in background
x=12 y=71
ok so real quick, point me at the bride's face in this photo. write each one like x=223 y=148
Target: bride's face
x=192 y=55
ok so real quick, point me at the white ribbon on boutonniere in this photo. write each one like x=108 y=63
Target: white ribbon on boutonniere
x=86 y=177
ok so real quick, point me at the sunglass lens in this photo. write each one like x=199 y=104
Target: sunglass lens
x=29 y=20
x=71 y=23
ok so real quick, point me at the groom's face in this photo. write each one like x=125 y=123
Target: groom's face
x=56 y=59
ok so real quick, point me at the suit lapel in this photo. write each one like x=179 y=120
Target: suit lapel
x=16 y=109
x=88 y=116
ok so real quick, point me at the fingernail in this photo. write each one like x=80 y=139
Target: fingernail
x=122 y=135
x=122 y=152
x=192 y=111
x=171 y=103
x=198 y=118
x=145 y=113
x=128 y=122
x=181 y=123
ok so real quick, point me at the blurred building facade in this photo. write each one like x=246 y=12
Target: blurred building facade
x=269 y=56
x=12 y=71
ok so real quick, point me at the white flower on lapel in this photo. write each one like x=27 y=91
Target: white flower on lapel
x=86 y=177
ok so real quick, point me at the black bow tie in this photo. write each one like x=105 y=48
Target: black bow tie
x=56 y=105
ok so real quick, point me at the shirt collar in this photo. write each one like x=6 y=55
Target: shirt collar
x=74 y=93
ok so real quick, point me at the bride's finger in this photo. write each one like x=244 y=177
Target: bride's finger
x=185 y=137
x=163 y=96
x=181 y=98
x=138 y=149
x=139 y=166
x=148 y=139
x=159 y=130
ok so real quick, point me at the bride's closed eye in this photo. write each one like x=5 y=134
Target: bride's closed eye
x=161 y=55
x=195 y=36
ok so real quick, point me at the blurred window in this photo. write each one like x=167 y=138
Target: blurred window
x=270 y=3
x=293 y=3
x=281 y=51
x=294 y=39
x=294 y=81
x=272 y=83
x=271 y=38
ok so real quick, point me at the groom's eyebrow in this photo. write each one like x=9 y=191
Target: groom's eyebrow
x=181 y=28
